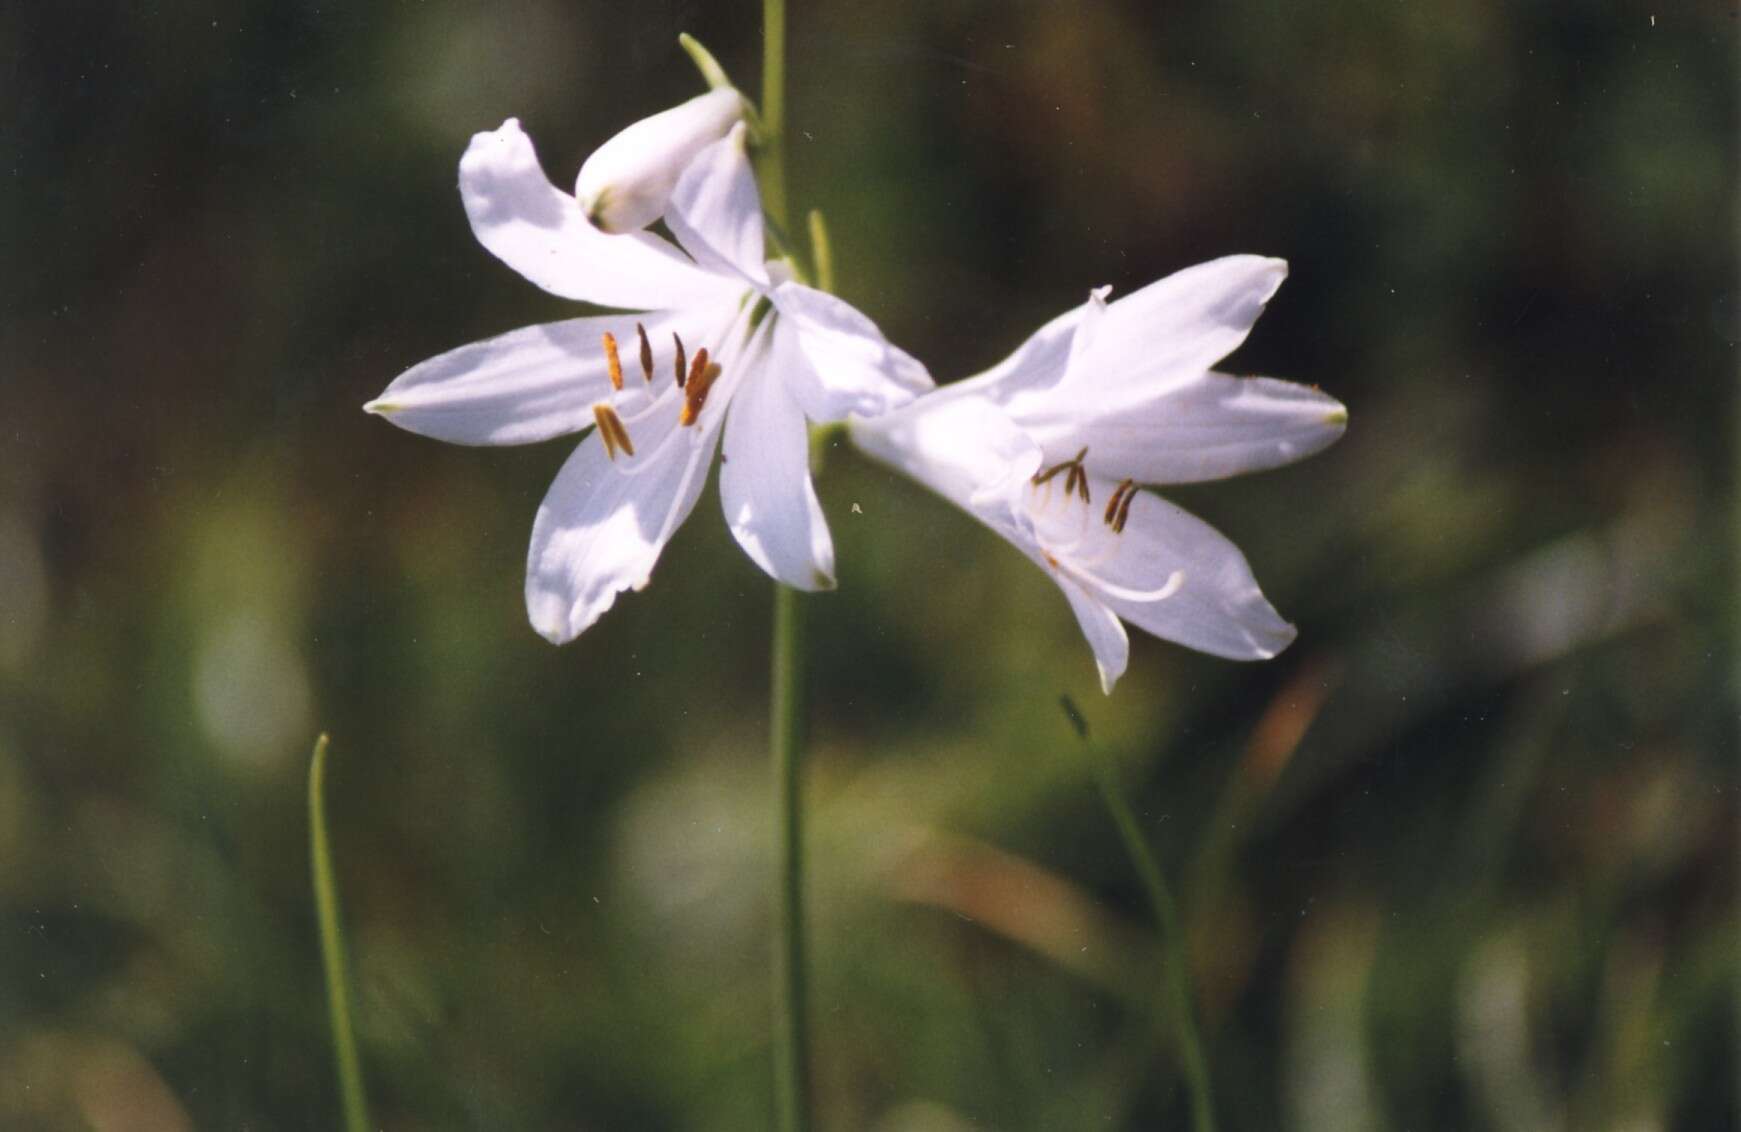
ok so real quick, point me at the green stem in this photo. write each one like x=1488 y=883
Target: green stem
x=1181 y=1005
x=821 y=251
x=773 y=179
x=791 y=1045
x=332 y=949
x=791 y=1038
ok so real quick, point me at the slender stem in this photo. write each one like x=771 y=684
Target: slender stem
x=821 y=251
x=791 y=1045
x=786 y=693
x=332 y=949
x=1181 y=1005
x=773 y=179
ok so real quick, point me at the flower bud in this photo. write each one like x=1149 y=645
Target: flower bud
x=627 y=181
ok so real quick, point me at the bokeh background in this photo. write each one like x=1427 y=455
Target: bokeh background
x=1463 y=858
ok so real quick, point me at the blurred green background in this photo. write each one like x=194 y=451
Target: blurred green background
x=1465 y=857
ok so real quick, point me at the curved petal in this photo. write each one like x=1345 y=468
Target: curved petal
x=963 y=448
x=1038 y=363
x=1106 y=636
x=1160 y=337
x=540 y=232
x=836 y=361
x=627 y=182
x=521 y=387
x=1173 y=575
x=716 y=213
x=1087 y=326
x=764 y=483
x=603 y=523
x=1208 y=428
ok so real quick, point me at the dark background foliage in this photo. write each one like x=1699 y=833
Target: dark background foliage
x=1464 y=857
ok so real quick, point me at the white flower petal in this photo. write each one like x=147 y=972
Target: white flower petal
x=1205 y=429
x=1106 y=636
x=627 y=182
x=1164 y=335
x=1088 y=325
x=764 y=483
x=851 y=368
x=603 y=523
x=1202 y=593
x=963 y=448
x=1037 y=364
x=540 y=232
x=716 y=213
x=524 y=386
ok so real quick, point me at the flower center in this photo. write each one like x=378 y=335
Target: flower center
x=694 y=378
x=1076 y=483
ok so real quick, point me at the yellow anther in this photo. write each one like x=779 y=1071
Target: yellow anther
x=702 y=375
x=612 y=431
x=614 y=363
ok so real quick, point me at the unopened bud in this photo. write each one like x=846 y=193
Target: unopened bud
x=628 y=180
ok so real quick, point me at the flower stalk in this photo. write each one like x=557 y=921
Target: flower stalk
x=791 y=1026
x=773 y=111
x=786 y=691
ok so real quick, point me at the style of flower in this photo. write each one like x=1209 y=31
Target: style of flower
x=1053 y=446
x=717 y=328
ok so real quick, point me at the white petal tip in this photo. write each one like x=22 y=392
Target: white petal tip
x=556 y=632
x=382 y=408
x=1107 y=681
x=1276 y=642
x=1337 y=417
x=823 y=583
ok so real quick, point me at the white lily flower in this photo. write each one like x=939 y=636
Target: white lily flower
x=627 y=182
x=1051 y=447
x=719 y=328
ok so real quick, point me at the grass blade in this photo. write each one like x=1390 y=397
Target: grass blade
x=332 y=949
